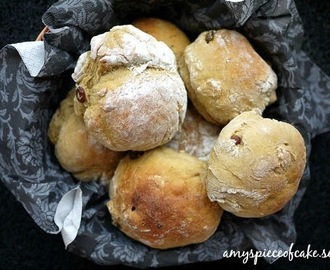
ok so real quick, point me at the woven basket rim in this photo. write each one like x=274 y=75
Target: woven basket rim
x=40 y=37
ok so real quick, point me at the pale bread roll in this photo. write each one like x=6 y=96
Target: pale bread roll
x=160 y=199
x=256 y=165
x=197 y=136
x=133 y=97
x=76 y=151
x=225 y=76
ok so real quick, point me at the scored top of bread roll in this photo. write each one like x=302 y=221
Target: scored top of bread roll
x=225 y=76
x=160 y=199
x=256 y=165
x=133 y=97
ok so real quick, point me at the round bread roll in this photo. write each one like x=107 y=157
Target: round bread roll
x=225 y=76
x=160 y=199
x=76 y=151
x=256 y=165
x=132 y=96
x=165 y=31
x=62 y=113
x=197 y=136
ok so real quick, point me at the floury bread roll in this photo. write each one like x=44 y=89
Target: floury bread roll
x=76 y=151
x=255 y=166
x=225 y=76
x=160 y=199
x=164 y=31
x=129 y=91
x=197 y=136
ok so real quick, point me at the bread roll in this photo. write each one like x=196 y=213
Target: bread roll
x=76 y=151
x=165 y=31
x=61 y=114
x=160 y=199
x=256 y=165
x=197 y=136
x=225 y=76
x=132 y=95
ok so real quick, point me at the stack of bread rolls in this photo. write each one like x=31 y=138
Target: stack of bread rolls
x=174 y=127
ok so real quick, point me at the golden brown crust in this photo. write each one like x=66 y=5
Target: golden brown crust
x=160 y=199
x=82 y=155
x=256 y=165
x=63 y=111
x=225 y=76
x=166 y=32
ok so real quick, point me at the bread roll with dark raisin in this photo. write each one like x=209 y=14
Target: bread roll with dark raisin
x=225 y=76
x=256 y=165
x=133 y=95
x=76 y=151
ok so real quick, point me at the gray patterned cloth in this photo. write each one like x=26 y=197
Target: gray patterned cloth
x=30 y=170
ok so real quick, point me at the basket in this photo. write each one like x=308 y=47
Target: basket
x=40 y=37
x=274 y=29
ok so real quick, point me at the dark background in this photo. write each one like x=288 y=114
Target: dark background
x=23 y=245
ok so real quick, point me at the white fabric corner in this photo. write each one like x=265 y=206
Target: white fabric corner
x=32 y=54
x=68 y=215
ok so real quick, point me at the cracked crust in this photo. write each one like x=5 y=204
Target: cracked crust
x=260 y=174
x=134 y=97
x=225 y=76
